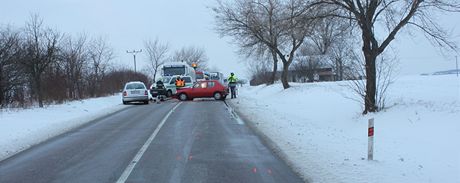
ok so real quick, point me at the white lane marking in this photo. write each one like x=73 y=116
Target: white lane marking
x=235 y=115
x=124 y=176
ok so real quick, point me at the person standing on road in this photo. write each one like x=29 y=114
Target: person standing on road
x=232 y=84
x=160 y=84
x=161 y=91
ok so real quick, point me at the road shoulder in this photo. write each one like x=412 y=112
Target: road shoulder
x=266 y=140
x=24 y=129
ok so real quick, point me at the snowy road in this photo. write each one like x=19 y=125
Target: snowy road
x=198 y=141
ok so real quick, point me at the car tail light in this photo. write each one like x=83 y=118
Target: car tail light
x=146 y=92
x=125 y=93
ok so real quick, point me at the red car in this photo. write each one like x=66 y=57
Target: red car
x=203 y=89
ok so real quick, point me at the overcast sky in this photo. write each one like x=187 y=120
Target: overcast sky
x=126 y=24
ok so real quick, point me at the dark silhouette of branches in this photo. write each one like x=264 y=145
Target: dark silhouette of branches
x=392 y=16
x=157 y=55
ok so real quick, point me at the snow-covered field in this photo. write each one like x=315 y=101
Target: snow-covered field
x=20 y=129
x=324 y=135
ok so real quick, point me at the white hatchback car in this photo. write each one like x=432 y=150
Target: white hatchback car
x=135 y=91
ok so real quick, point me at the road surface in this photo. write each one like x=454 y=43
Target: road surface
x=195 y=141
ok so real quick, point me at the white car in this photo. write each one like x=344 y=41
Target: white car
x=170 y=83
x=135 y=91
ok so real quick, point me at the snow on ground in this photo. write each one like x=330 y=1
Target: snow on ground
x=20 y=129
x=324 y=135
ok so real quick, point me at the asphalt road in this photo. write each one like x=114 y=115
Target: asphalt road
x=196 y=141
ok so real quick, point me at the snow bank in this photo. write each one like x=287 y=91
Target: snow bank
x=20 y=129
x=324 y=135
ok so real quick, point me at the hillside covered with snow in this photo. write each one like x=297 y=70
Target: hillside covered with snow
x=324 y=135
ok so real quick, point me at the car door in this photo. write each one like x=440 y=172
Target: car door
x=192 y=92
x=171 y=85
x=210 y=89
x=188 y=82
x=199 y=89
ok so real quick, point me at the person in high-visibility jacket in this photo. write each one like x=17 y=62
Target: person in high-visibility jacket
x=182 y=82
x=232 y=84
x=178 y=82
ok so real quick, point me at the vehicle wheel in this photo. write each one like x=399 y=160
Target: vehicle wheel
x=183 y=97
x=217 y=96
x=124 y=103
x=169 y=93
x=146 y=102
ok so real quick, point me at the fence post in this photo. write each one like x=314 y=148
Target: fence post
x=370 y=134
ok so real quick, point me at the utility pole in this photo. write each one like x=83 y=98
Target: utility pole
x=134 y=54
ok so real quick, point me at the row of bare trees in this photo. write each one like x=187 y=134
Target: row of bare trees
x=276 y=28
x=311 y=32
x=42 y=65
x=158 y=53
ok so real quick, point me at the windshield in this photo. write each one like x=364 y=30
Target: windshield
x=199 y=76
x=135 y=86
x=165 y=79
x=214 y=76
x=171 y=71
x=187 y=79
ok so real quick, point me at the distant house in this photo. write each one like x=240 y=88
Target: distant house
x=315 y=75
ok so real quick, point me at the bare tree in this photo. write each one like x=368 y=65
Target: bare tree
x=328 y=31
x=157 y=54
x=269 y=13
x=191 y=55
x=100 y=54
x=332 y=39
x=41 y=46
x=11 y=76
x=261 y=52
x=281 y=26
x=259 y=71
x=391 y=16
x=385 y=67
x=74 y=60
x=309 y=60
x=40 y=64
x=321 y=46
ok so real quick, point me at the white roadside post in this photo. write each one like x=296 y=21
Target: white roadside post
x=456 y=64
x=370 y=134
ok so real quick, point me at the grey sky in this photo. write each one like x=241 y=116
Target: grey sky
x=126 y=24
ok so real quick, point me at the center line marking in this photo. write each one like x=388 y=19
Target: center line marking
x=124 y=176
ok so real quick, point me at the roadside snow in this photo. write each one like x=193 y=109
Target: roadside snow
x=324 y=134
x=20 y=129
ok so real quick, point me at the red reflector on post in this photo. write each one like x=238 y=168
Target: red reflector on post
x=370 y=146
x=370 y=132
